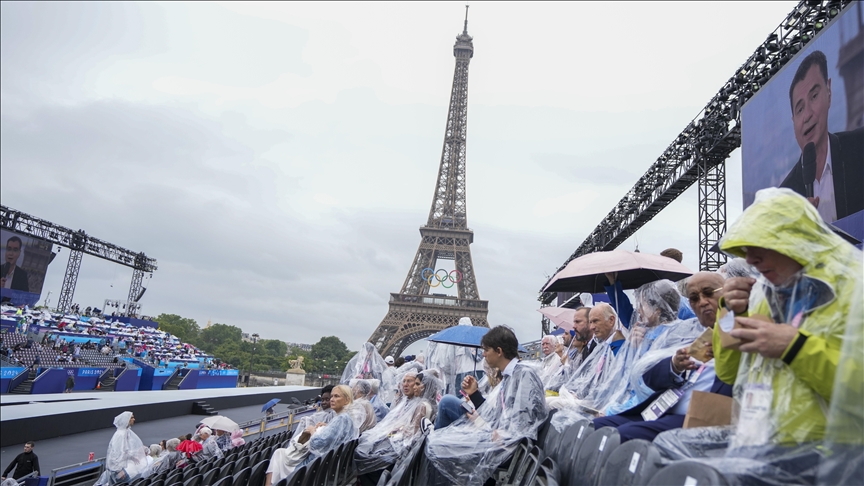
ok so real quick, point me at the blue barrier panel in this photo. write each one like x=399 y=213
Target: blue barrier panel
x=217 y=379
x=86 y=378
x=128 y=381
x=191 y=380
x=6 y=377
x=51 y=381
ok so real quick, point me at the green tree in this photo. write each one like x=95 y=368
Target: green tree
x=185 y=329
x=214 y=336
x=330 y=354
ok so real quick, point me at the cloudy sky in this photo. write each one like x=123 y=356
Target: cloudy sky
x=278 y=159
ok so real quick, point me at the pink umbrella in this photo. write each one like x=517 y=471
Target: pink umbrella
x=588 y=272
x=560 y=316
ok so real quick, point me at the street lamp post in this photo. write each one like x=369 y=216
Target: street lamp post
x=252 y=356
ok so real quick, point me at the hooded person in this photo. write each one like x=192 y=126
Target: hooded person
x=209 y=446
x=362 y=411
x=381 y=409
x=169 y=459
x=453 y=362
x=388 y=386
x=381 y=447
x=126 y=459
x=237 y=439
x=784 y=373
x=367 y=363
x=469 y=449
x=316 y=439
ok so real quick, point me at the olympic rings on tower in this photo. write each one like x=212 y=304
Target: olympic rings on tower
x=434 y=277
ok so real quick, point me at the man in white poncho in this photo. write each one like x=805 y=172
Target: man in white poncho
x=126 y=459
x=467 y=451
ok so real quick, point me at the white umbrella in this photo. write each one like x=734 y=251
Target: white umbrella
x=218 y=422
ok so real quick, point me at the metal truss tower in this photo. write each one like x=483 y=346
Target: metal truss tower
x=78 y=243
x=699 y=153
x=414 y=313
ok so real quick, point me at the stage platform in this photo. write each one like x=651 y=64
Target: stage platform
x=46 y=416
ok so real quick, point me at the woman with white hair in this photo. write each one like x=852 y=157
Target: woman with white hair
x=126 y=459
x=168 y=460
x=316 y=440
x=209 y=447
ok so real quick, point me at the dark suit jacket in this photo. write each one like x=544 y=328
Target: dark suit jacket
x=19 y=278
x=659 y=378
x=847 y=161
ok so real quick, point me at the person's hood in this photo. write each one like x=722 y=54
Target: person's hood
x=783 y=221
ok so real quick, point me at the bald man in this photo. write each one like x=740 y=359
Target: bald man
x=603 y=322
x=703 y=291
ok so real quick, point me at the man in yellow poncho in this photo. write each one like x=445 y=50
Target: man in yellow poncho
x=784 y=371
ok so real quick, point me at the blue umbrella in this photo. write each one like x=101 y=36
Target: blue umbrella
x=270 y=404
x=468 y=336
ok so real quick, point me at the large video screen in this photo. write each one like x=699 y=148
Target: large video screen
x=25 y=261
x=805 y=129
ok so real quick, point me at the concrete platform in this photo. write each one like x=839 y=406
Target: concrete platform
x=38 y=417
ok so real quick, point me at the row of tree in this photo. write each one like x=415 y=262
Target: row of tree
x=225 y=342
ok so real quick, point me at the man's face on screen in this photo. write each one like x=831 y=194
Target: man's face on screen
x=13 y=251
x=811 y=99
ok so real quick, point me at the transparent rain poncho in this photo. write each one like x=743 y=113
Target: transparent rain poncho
x=338 y=431
x=399 y=395
x=843 y=458
x=362 y=413
x=468 y=451
x=786 y=404
x=387 y=390
x=380 y=447
x=454 y=362
x=126 y=458
x=367 y=363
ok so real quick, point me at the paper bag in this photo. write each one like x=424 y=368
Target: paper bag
x=725 y=323
x=701 y=347
x=708 y=409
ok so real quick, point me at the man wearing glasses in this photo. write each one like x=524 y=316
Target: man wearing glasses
x=12 y=276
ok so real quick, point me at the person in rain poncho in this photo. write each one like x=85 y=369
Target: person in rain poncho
x=209 y=447
x=406 y=387
x=316 y=439
x=469 y=450
x=453 y=362
x=388 y=382
x=237 y=439
x=362 y=410
x=125 y=460
x=585 y=386
x=550 y=365
x=381 y=447
x=378 y=404
x=784 y=371
x=367 y=363
x=657 y=369
x=169 y=460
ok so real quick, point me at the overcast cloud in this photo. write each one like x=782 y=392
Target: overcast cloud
x=278 y=159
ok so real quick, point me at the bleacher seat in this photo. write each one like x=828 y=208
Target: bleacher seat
x=569 y=445
x=195 y=480
x=241 y=478
x=688 y=473
x=209 y=476
x=226 y=470
x=258 y=473
x=632 y=463
x=592 y=456
x=528 y=469
x=547 y=474
x=226 y=481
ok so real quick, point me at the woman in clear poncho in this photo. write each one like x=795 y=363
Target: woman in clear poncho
x=467 y=451
x=362 y=411
x=453 y=362
x=382 y=446
x=316 y=439
x=169 y=460
x=367 y=363
x=125 y=460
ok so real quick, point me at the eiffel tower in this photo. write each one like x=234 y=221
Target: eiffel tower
x=414 y=313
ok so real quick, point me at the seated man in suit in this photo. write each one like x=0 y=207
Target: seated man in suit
x=675 y=372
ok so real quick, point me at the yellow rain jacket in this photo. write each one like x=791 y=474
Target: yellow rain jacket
x=803 y=378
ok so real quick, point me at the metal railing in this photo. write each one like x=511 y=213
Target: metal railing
x=77 y=474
